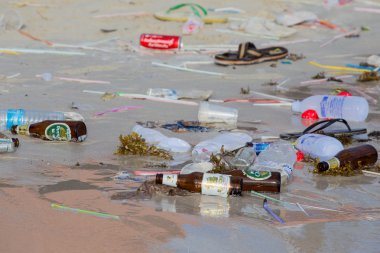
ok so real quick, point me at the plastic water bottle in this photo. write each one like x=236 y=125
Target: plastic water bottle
x=319 y=146
x=154 y=137
x=244 y=157
x=351 y=108
x=230 y=141
x=279 y=156
x=8 y=145
x=11 y=117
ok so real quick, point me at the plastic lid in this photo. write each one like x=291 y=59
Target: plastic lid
x=309 y=114
x=344 y=94
x=296 y=106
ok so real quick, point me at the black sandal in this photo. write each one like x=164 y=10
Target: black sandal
x=325 y=124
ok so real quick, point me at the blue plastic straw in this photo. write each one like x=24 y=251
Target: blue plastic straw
x=269 y=210
x=361 y=67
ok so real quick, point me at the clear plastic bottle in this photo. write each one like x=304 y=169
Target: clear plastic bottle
x=230 y=141
x=11 y=117
x=244 y=157
x=279 y=156
x=154 y=137
x=352 y=108
x=319 y=146
x=8 y=145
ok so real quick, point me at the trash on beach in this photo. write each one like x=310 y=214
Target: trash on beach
x=269 y=210
x=295 y=18
x=49 y=77
x=355 y=32
x=8 y=144
x=82 y=211
x=192 y=25
x=10 y=20
x=118 y=109
x=187 y=69
x=263 y=28
x=185 y=126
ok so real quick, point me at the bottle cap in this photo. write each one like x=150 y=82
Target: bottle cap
x=309 y=114
x=14 y=129
x=296 y=106
x=344 y=94
x=322 y=166
x=16 y=142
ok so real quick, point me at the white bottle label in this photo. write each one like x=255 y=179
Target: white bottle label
x=170 y=179
x=331 y=107
x=215 y=184
x=287 y=169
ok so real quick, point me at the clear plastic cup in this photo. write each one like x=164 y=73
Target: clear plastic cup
x=212 y=113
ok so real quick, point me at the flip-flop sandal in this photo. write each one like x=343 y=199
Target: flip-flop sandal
x=248 y=54
x=320 y=130
x=173 y=15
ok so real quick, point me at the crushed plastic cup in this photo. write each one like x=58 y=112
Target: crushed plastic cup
x=212 y=113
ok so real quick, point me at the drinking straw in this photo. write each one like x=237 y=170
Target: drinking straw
x=40 y=51
x=118 y=109
x=122 y=14
x=290 y=203
x=337 y=67
x=360 y=67
x=187 y=69
x=371 y=172
x=77 y=210
x=283 y=43
x=370 y=10
x=269 y=210
x=303 y=210
x=271 y=96
x=338 y=37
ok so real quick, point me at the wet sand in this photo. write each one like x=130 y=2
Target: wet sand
x=80 y=175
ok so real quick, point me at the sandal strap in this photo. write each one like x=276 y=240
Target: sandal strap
x=325 y=124
x=248 y=49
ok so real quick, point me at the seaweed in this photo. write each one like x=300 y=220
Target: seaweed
x=134 y=144
x=245 y=90
x=368 y=76
x=295 y=57
x=320 y=75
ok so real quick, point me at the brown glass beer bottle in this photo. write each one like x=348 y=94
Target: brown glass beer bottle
x=205 y=183
x=260 y=181
x=355 y=157
x=54 y=130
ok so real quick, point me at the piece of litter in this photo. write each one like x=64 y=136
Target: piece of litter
x=187 y=69
x=269 y=210
x=371 y=172
x=77 y=210
x=301 y=208
x=118 y=109
x=41 y=51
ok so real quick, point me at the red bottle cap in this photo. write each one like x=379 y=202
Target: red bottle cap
x=344 y=94
x=309 y=114
x=300 y=156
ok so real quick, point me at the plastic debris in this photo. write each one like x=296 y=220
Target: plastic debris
x=269 y=210
x=82 y=211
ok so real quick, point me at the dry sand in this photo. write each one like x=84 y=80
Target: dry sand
x=80 y=175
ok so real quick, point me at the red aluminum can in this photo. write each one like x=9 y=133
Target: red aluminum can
x=156 y=41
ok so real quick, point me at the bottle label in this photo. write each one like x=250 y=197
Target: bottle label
x=331 y=107
x=287 y=169
x=23 y=129
x=58 y=132
x=14 y=117
x=169 y=179
x=215 y=184
x=6 y=145
x=257 y=175
x=333 y=163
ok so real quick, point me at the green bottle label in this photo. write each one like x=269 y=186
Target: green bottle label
x=58 y=132
x=257 y=175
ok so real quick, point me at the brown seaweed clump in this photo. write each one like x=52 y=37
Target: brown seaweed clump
x=369 y=76
x=219 y=165
x=320 y=75
x=245 y=90
x=295 y=57
x=134 y=144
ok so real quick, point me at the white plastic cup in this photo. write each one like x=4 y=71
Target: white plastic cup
x=212 y=113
